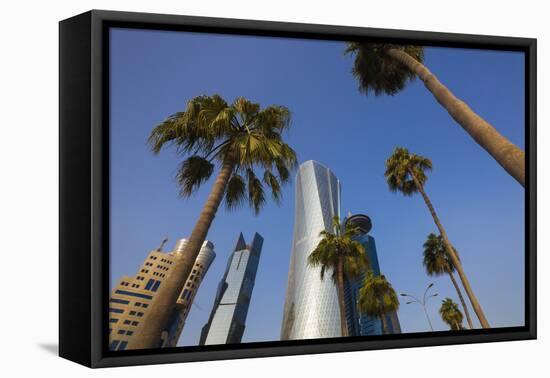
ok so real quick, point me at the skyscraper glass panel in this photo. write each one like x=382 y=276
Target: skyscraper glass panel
x=311 y=305
x=227 y=320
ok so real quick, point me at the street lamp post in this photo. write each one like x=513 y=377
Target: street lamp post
x=422 y=302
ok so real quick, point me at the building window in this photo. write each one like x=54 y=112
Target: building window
x=121 y=301
x=116 y=310
x=121 y=332
x=129 y=333
x=113 y=320
x=122 y=345
x=127 y=322
x=135 y=323
x=132 y=313
x=140 y=314
x=149 y=284
x=124 y=292
x=155 y=286
x=114 y=344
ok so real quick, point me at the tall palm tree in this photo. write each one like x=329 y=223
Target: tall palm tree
x=450 y=313
x=406 y=173
x=241 y=140
x=383 y=68
x=346 y=257
x=437 y=262
x=377 y=298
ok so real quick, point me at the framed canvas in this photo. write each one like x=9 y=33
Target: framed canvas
x=235 y=188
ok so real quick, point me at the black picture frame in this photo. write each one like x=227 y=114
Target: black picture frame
x=84 y=188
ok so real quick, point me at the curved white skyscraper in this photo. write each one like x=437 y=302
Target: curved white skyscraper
x=205 y=257
x=311 y=305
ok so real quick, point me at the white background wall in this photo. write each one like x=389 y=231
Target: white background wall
x=29 y=185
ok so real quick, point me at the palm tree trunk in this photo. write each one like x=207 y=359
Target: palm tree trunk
x=459 y=292
x=341 y=303
x=454 y=259
x=384 y=324
x=507 y=154
x=157 y=317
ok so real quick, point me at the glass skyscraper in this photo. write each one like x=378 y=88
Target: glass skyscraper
x=227 y=320
x=361 y=324
x=311 y=305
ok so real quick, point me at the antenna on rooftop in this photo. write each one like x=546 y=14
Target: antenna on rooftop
x=162 y=243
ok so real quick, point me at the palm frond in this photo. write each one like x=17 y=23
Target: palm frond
x=247 y=110
x=271 y=181
x=451 y=314
x=436 y=260
x=167 y=132
x=377 y=72
x=192 y=173
x=377 y=296
x=273 y=120
x=210 y=131
x=335 y=247
x=235 y=194
x=398 y=171
x=256 y=194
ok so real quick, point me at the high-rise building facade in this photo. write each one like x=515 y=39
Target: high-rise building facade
x=227 y=320
x=311 y=304
x=132 y=296
x=360 y=324
x=205 y=257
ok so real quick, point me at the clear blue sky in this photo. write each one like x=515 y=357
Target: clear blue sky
x=154 y=74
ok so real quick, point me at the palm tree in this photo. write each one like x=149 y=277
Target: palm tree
x=342 y=254
x=239 y=139
x=450 y=313
x=406 y=173
x=383 y=68
x=437 y=262
x=377 y=298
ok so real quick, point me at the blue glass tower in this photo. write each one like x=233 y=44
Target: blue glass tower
x=228 y=317
x=360 y=324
